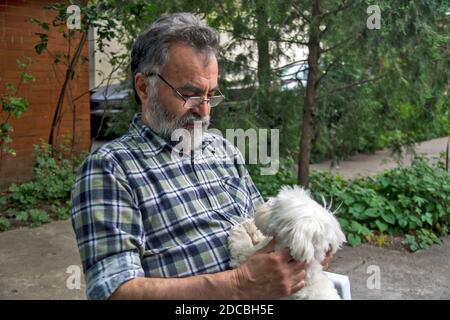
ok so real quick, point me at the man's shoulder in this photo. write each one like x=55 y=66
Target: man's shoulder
x=113 y=151
x=113 y=147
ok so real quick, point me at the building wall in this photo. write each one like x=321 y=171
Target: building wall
x=17 y=39
x=101 y=71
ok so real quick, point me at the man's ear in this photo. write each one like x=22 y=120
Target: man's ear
x=141 y=86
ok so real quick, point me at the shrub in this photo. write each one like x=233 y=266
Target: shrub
x=269 y=185
x=4 y=224
x=411 y=201
x=47 y=195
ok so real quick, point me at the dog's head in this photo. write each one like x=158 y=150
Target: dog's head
x=300 y=223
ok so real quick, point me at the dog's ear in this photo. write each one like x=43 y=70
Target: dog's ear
x=262 y=214
x=338 y=238
x=306 y=241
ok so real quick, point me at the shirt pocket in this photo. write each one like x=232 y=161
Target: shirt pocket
x=238 y=204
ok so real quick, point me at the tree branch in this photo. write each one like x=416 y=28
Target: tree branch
x=119 y=65
x=290 y=64
x=277 y=40
x=69 y=74
x=300 y=13
x=325 y=73
x=344 y=5
x=351 y=85
x=337 y=45
x=290 y=41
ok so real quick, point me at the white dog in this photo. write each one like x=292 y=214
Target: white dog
x=308 y=229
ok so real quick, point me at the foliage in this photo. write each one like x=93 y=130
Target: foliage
x=379 y=90
x=406 y=200
x=13 y=105
x=47 y=194
x=410 y=201
x=376 y=92
x=4 y=224
x=269 y=185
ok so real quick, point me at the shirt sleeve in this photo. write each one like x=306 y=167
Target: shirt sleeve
x=108 y=226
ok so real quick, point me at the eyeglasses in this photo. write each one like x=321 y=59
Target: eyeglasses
x=194 y=101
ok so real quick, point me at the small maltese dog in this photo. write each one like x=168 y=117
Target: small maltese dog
x=298 y=222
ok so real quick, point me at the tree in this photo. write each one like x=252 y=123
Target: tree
x=359 y=79
x=337 y=33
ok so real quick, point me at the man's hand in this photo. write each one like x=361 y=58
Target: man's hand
x=270 y=274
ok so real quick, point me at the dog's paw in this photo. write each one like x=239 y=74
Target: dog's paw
x=244 y=241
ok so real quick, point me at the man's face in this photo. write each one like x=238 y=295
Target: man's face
x=193 y=74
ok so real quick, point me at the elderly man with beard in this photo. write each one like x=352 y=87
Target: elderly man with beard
x=153 y=226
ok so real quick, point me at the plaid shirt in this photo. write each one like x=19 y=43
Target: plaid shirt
x=138 y=212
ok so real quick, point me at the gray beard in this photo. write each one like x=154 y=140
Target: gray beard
x=164 y=123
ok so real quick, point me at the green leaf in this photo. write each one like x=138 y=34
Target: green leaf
x=6 y=127
x=402 y=221
x=40 y=47
x=38 y=217
x=22 y=216
x=389 y=218
x=381 y=225
x=26 y=77
x=11 y=87
x=419 y=200
x=415 y=221
x=354 y=240
x=360 y=229
x=4 y=224
x=428 y=218
x=343 y=222
x=372 y=212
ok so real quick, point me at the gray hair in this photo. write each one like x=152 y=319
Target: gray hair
x=150 y=50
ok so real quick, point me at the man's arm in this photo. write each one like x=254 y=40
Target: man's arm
x=209 y=286
x=266 y=275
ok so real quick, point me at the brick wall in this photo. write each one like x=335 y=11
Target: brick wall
x=17 y=39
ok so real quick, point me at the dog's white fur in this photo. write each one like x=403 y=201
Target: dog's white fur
x=299 y=223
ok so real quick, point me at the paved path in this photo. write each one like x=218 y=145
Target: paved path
x=34 y=262
x=402 y=275
x=369 y=164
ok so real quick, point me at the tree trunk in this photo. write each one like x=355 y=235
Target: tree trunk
x=262 y=42
x=69 y=75
x=310 y=96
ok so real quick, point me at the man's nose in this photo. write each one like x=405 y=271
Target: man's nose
x=202 y=109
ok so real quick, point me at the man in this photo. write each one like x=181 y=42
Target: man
x=153 y=226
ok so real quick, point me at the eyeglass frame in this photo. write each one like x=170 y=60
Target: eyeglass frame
x=185 y=98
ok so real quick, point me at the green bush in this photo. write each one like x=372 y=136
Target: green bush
x=269 y=185
x=4 y=224
x=47 y=195
x=411 y=201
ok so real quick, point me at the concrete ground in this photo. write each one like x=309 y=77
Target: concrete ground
x=44 y=263
x=380 y=273
x=34 y=263
x=369 y=164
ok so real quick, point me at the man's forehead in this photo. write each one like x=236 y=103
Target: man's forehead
x=187 y=63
